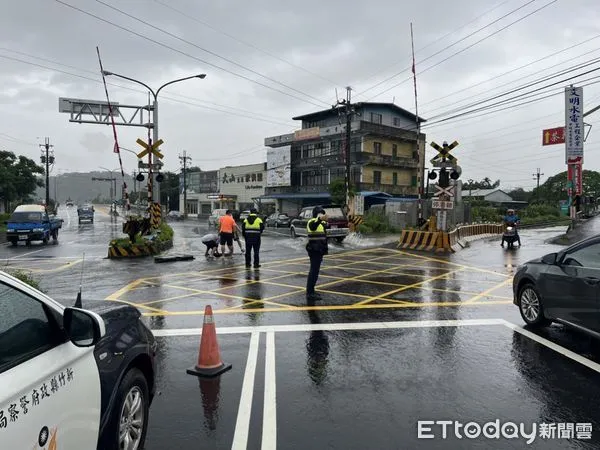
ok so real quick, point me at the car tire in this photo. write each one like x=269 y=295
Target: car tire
x=133 y=389
x=339 y=240
x=14 y=242
x=531 y=306
x=45 y=240
x=276 y=224
x=293 y=233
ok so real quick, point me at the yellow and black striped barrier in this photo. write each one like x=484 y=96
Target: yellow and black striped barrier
x=419 y=240
x=355 y=220
x=155 y=215
x=130 y=251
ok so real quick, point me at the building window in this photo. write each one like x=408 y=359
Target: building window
x=259 y=177
x=376 y=118
x=377 y=148
x=413 y=181
x=377 y=176
x=394 y=150
x=317 y=177
x=395 y=179
x=396 y=121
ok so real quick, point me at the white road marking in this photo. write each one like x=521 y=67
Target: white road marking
x=242 y=424
x=269 y=430
x=332 y=327
x=551 y=345
x=30 y=253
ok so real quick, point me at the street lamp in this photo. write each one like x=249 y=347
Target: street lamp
x=156 y=191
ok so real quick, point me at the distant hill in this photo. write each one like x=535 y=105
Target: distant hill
x=79 y=187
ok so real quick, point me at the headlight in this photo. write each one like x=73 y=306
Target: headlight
x=38 y=230
x=509 y=228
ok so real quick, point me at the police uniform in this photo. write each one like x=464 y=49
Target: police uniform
x=316 y=247
x=252 y=228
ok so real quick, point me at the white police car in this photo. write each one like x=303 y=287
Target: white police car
x=72 y=379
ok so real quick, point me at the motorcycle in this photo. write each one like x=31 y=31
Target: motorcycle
x=510 y=235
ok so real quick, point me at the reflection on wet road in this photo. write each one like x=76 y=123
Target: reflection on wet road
x=398 y=338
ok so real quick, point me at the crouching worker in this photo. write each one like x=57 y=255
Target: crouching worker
x=212 y=244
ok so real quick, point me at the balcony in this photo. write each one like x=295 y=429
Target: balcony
x=323 y=161
x=386 y=131
x=386 y=161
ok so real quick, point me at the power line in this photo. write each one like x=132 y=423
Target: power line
x=216 y=55
x=448 y=46
x=437 y=40
x=464 y=49
x=184 y=53
x=519 y=68
x=246 y=43
x=170 y=98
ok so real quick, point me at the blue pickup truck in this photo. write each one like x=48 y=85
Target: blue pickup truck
x=32 y=223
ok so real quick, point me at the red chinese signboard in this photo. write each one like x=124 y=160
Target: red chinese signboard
x=575 y=178
x=553 y=136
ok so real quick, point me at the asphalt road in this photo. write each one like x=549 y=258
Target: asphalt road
x=398 y=338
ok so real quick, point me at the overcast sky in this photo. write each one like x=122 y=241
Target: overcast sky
x=304 y=51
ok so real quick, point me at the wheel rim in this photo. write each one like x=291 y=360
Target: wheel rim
x=530 y=304
x=131 y=423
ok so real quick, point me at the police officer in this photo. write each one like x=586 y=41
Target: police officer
x=316 y=248
x=252 y=228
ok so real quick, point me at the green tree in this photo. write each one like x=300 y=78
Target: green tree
x=486 y=183
x=554 y=188
x=337 y=191
x=19 y=178
x=169 y=190
x=520 y=195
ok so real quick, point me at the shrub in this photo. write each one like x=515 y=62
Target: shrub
x=376 y=222
x=165 y=232
x=25 y=277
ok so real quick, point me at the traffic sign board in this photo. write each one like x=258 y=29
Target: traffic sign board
x=156 y=166
x=449 y=191
x=440 y=204
x=444 y=152
x=148 y=149
x=553 y=136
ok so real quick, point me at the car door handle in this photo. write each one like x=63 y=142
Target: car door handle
x=591 y=280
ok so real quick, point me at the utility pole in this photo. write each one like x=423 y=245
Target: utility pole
x=537 y=176
x=184 y=159
x=349 y=112
x=47 y=159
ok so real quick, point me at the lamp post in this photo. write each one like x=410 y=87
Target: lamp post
x=156 y=190
x=113 y=191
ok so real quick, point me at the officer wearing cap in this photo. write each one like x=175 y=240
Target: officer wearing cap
x=252 y=228
x=316 y=248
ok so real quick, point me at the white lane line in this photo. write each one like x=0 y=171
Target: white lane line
x=269 y=430
x=30 y=253
x=242 y=424
x=332 y=327
x=551 y=345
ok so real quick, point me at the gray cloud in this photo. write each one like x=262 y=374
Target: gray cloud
x=358 y=44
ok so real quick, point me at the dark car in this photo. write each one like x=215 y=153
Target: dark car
x=174 y=215
x=337 y=220
x=278 y=220
x=562 y=287
x=94 y=377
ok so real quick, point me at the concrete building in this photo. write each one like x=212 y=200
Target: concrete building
x=244 y=186
x=385 y=155
x=201 y=190
x=232 y=187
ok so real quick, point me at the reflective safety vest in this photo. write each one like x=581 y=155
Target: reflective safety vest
x=319 y=234
x=254 y=227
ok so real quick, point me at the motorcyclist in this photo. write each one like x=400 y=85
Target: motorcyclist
x=511 y=219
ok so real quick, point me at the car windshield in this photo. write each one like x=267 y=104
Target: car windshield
x=283 y=216
x=26 y=217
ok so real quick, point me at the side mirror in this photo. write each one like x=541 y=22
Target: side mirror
x=84 y=328
x=550 y=259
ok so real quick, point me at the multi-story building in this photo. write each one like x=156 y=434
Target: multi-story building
x=201 y=189
x=386 y=155
x=245 y=186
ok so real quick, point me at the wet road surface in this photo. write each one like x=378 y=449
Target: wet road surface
x=397 y=338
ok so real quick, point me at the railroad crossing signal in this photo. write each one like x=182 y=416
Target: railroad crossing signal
x=150 y=149
x=444 y=152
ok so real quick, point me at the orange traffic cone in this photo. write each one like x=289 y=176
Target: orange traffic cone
x=209 y=357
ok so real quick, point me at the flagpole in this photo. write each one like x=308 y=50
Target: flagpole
x=418 y=126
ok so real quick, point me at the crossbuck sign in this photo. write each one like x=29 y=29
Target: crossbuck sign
x=449 y=191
